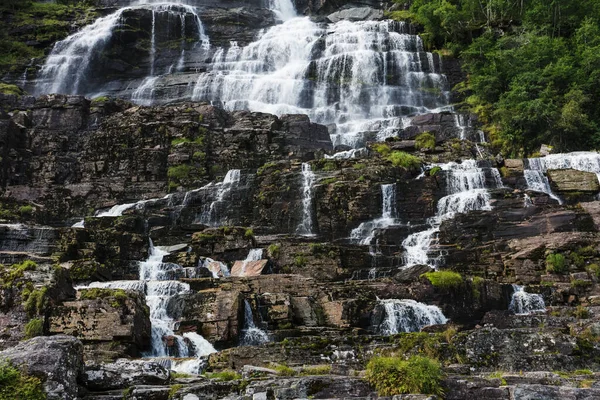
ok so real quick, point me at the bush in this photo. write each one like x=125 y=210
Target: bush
x=274 y=250
x=393 y=376
x=34 y=328
x=382 y=149
x=15 y=385
x=444 y=279
x=404 y=160
x=249 y=234
x=425 y=140
x=556 y=263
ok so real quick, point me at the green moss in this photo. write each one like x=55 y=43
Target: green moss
x=382 y=148
x=359 y=166
x=14 y=385
x=316 y=370
x=34 y=328
x=404 y=160
x=425 y=140
x=34 y=301
x=330 y=166
x=393 y=376
x=594 y=269
x=444 y=279
x=179 y=172
x=118 y=297
x=173 y=389
x=434 y=171
x=329 y=181
x=225 y=375
x=266 y=166
x=249 y=233
x=555 y=263
x=96 y=101
x=6 y=88
x=580 y=283
x=16 y=271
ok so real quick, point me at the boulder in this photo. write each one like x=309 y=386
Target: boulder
x=56 y=360
x=570 y=180
x=355 y=14
x=123 y=374
x=248 y=268
x=105 y=315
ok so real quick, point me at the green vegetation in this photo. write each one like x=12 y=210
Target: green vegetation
x=434 y=171
x=284 y=370
x=274 y=250
x=594 y=269
x=532 y=66
x=34 y=301
x=34 y=328
x=316 y=370
x=118 y=296
x=225 y=375
x=30 y=27
x=555 y=263
x=444 y=279
x=173 y=389
x=392 y=375
x=581 y=312
x=425 y=140
x=382 y=148
x=404 y=160
x=10 y=275
x=249 y=233
x=6 y=88
x=15 y=385
x=175 y=375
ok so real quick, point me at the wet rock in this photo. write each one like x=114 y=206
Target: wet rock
x=570 y=180
x=355 y=14
x=56 y=360
x=123 y=374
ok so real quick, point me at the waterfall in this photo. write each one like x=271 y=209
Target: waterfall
x=536 y=178
x=527 y=201
x=361 y=76
x=67 y=64
x=251 y=334
x=67 y=67
x=210 y=215
x=525 y=303
x=365 y=232
x=283 y=9
x=253 y=255
x=408 y=316
x=308 y=179
x=144 y=94
x=466 y=192
x=208 y=263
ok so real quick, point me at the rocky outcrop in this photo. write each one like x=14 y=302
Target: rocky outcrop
x=110 y=323
x=56 y=360
x=568 y=180
x=122 y=374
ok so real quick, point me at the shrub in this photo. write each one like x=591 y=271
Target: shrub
x=15 y=385
x=404 y=160
x=34 y=301
x=594 y=269
x=425 y=140
x=582 y=312
x=179 y=172
x=555 y=262
x=444 y=279
x=34 y=328
x=274 y=250
x=393 y=376
x=249 y=234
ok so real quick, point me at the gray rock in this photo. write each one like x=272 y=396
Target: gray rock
x=57 y=360
x=537 y=392
x=124 y=373
x=356 y=14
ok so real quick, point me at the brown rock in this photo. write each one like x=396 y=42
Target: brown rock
x=569 y=180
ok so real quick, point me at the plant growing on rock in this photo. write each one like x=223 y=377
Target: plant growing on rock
x=444 y=279
x=404 y=160
x=555 y=263
x=14 y=385
x=393 y=376
x=425 y=140
x=34 y=328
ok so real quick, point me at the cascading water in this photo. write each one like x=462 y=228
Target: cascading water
x=360 y=76
x=154 y=282
x=210 y=216
x=67 y=67
x=408 y=316
x=365 y=232
x=308 y=180
x=526 y=303
x=251 y=334
x=217 y=268
x=536 y=178
x=466 y=188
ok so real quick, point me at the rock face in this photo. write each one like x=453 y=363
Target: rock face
x=568 y=180
x=123 y=374
x=106 y=321
x=56 y=360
